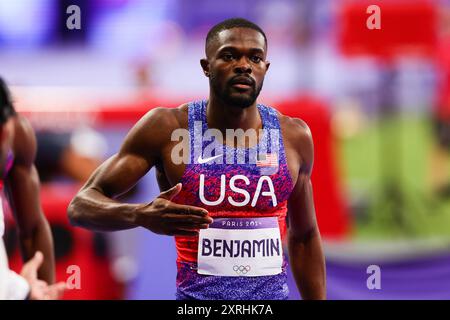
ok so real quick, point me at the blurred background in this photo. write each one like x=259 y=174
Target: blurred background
x=377 y=102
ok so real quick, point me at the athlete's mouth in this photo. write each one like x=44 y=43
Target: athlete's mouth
x=242 y=82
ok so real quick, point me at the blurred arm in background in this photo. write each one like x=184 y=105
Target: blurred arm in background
x=74 y=155
x=22 y=188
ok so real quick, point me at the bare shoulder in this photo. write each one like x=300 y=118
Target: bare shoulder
x=153 y=131
x=163 y=118
x=24 y=144
x=296 y=130
x=298 y=136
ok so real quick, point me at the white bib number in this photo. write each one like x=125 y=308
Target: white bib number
x=240 y=247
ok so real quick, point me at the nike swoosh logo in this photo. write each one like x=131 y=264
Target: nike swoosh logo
x=201 y=161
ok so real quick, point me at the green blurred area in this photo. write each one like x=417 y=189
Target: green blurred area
x=385 y=168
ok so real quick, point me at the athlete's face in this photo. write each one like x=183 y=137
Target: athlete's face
x=236 y=66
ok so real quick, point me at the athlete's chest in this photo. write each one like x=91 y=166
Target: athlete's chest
x=216 y=172
x=176 y=162
x=261 y=186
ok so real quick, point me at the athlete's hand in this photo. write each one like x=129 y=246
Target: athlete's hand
x=162 y=216
x=39 y=289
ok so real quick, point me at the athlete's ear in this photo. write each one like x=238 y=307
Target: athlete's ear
x=205 y=66
x=267 y=65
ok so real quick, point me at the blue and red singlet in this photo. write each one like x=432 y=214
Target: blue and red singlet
x=240 y=255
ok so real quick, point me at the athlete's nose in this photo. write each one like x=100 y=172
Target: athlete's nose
x=242 y=66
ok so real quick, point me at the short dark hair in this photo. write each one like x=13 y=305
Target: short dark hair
x=230 y=24
x=6 y=105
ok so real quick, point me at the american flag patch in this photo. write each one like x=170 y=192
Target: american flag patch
x=267 y=160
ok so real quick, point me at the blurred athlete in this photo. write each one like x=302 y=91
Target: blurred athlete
x=73 y=155
x=20 y=182
x=248 y=188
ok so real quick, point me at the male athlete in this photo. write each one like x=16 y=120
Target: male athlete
x=20 y=182
x=227 y=204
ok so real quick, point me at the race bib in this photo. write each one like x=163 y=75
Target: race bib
x=240 y=247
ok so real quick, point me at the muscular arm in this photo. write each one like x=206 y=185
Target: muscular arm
x=22 y=187
x=94 y=206
x=304 y=243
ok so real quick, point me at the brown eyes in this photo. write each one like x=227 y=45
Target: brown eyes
x=227 y=57
x=230 y=57
x=256 y=59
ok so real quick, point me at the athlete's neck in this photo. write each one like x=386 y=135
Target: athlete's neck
x=221 y=116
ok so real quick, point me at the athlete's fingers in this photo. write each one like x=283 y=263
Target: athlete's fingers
x=40 y=285
x=55 y=291
x=31 y=267
x=38 y=289
x=189 y=226
x=189 y=210
x=36 y=261
x=187 y=219
x=171 y=193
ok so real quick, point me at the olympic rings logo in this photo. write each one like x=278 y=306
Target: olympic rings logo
x=241 y=269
